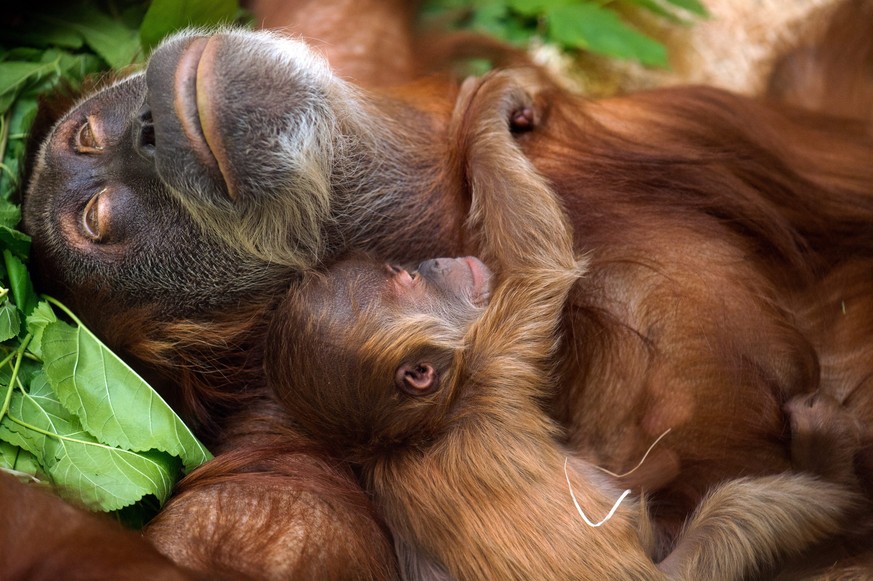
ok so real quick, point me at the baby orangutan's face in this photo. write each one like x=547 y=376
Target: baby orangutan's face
x=377 y=348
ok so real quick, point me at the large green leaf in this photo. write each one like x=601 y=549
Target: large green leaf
x=14 y=241
x=19 y=281
x=113 y=403
x=37 y=321
x=15 y=76
x=98 y=475
x=590 y=27
x=117 y=44
x=166 y=16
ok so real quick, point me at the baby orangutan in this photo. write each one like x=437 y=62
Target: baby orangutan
x=431 y=383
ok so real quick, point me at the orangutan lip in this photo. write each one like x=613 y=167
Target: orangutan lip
x=192 y=107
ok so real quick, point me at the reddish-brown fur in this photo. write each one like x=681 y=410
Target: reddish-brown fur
x=461 y=459
x=44 y=538
x=370 y=42
x=275 y=510
x=709 y=221
x=730 y=248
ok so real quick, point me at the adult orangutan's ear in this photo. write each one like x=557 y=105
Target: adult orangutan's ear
x=416 y=378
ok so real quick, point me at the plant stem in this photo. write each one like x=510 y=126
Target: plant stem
x=63 y=438
x=63 y=307
x=19 y=355
x=4 y=132
x=14 y=348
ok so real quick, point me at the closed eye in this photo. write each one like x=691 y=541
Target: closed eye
x=95 y=217
x=401 y=275
x=88 y=138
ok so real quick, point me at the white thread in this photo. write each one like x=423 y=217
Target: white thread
x=640 y=463
x=579 y=508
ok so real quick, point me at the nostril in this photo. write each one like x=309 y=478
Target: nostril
x=147 y=135
x=145 y=138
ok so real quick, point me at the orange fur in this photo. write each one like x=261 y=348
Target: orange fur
x=724 y=236
x=468 y=475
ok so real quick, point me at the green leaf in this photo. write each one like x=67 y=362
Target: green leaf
x=15 y=75
x=590 y=27
x=17 y=122
x=75 y=67
x=693 y=6
x=536 y=7
x=10 y=323
x=113 y=403
x=77 y=464
x=8 y=455
x=36 y=323
x=19 y=282
x=655 y=7
x=10 y=215
x=118 y=45
x=166 y=16
x=27 y=370
x=490 y=19
x=22 y=53
x=16 y=242
x=15 y=460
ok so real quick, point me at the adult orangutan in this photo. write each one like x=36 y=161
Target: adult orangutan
x=729 y=243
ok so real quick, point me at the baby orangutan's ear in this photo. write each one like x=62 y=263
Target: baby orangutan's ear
x=416 y=378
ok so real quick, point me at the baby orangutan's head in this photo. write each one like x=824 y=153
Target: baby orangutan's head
x=366 y=356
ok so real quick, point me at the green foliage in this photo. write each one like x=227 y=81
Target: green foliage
x=110 y=400
x=165 y=16
x=574 y=25
x=113 y=41
x=10 y=322
x=71 y=412
x=102 y=476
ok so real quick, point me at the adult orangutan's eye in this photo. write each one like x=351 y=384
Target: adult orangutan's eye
x=95 y=217
x=87 y=140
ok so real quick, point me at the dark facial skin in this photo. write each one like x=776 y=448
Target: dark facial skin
x=209 y=179
x=105 y=222
x=207 y=131
x=106 y=207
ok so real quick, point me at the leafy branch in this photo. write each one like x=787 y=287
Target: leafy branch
x=597 y=26
x=73 y=414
